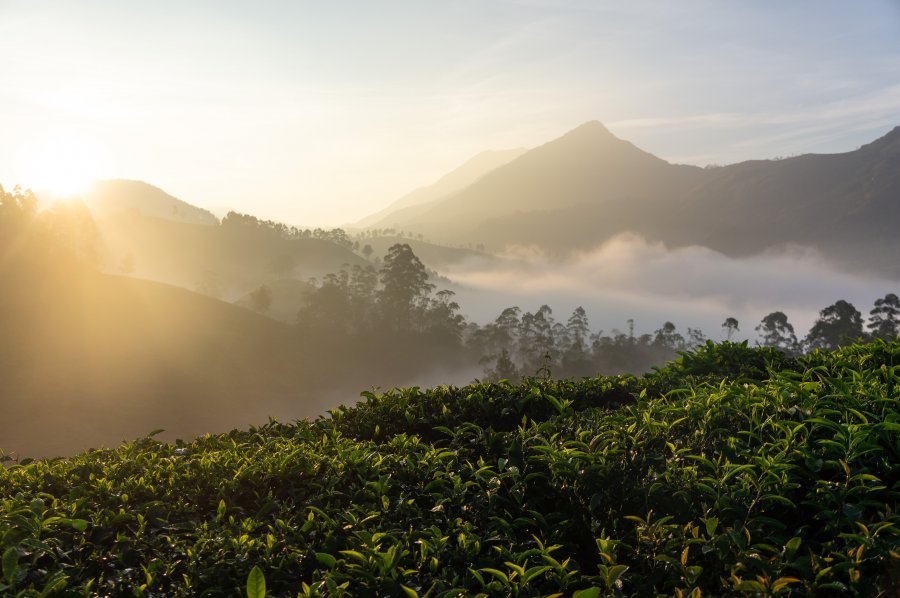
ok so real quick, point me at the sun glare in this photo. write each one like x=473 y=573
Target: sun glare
x=65 y=163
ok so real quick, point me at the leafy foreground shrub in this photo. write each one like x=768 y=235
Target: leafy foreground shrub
x=704 y=478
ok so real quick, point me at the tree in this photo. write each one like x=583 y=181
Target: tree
x=504 y=368
x=668 y=337
x=884 y=319
x=442 y=317
x=367 y=251
x=328 y=307
x=576 y=358
x=578 y=328
x=731 y=326
x=261 y=299
x=695 y=337
x=404 y=281
x=777 y=332
x=838 y=324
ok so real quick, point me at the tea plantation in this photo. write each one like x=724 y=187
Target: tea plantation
x=734 y=470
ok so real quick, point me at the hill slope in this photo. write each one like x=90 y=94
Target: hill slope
x=100 y=358
x=732 y=471
x=452 y=182
x=581 y=189
x=222 y=260
x=118 y=196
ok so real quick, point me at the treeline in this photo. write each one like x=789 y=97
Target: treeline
x=396 y=298
x=63 y=234
x=237 y=221
x=366 y=303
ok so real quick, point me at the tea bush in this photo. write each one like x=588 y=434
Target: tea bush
x=733 y=470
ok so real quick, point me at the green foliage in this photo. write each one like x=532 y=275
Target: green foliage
x=733 y=470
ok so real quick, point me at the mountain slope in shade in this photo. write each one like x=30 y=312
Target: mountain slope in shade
x=846 y=206
x=581 y=189
x=452 y=182
x=118 y=196
x=583 y=169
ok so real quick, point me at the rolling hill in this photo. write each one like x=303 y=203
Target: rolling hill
x=223 y=261
x=117 y=196
x=94 y=359
x=146 y=232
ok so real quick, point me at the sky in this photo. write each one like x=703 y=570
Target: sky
x=319 y=113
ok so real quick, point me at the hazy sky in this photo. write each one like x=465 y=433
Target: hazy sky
x=322 y=112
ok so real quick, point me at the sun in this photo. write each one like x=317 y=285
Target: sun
x=64 y=163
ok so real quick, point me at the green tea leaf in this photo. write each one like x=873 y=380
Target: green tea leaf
x=10 y=563
x=256 y=583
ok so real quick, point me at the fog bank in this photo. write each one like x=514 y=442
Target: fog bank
x=629 y=277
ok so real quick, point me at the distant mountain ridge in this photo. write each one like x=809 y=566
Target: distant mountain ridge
x=581 y=189
x=452 y=182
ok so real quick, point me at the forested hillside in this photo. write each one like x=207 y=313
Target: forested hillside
x=731 y=471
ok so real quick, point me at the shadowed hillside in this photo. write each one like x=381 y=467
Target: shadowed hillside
x=587 y=186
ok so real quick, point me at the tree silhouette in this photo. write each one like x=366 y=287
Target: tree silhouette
x=405 y=285
x=261 y=299
x=838 y=324
x=668 y=337
x=731 y=326
x=884 y=319
x=776 y=331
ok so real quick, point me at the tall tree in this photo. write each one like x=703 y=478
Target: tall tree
x=405 y=285
x=576 y=359
x=884 y=319
x=838 y=324
x=776 y=331
x=578 y=328
x=731 y=326
x=668 y=337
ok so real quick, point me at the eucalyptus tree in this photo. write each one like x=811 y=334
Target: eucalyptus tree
x=404 y=286
x=884 y=319
x=838 y=325
x=776 y=331
x=731 y=326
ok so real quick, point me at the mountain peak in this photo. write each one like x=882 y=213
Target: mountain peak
x=888 y=144
x=591 y=127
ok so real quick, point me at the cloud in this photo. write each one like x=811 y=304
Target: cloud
x=628 y=277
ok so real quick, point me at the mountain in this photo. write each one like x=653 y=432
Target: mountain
x=144 y=231
x=845 y=205
x=117 y=196
x=588 y=185
x=585 y=169
x=452 y=182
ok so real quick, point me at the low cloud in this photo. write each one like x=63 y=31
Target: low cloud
x=629 y=277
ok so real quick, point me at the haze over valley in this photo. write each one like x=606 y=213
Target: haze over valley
x=132 y=309
x=203 y=229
